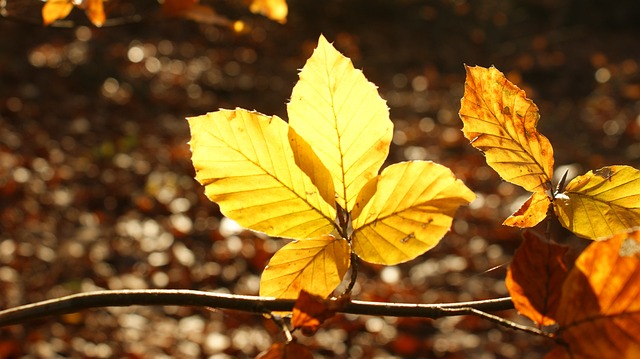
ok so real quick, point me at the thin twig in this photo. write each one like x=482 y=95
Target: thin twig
x=506 y=323
x=183 y=297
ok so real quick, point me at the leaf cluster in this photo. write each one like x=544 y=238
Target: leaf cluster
x=317 y=180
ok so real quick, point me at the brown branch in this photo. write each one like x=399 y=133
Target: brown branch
x=183 y=297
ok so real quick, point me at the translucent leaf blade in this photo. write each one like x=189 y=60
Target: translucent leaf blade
x=273 y=9
x=532 y=212
x=315 y=265
x=599 y=312
x=501 y=121
x=601 y=203
x=248 y=167
x=535 y=278
x=55 y=10
x=406 y=211
x=341 y=115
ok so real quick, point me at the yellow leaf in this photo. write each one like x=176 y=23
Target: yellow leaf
x=316 y=265
x=532 y=212
x=410 y=211
x=55 y=10
x=599 y=311
x=601 y=203
x=500 y=121
x=340 y=114
x=273 y=9
x=248 y=167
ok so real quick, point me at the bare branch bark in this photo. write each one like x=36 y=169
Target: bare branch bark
x=183 y=297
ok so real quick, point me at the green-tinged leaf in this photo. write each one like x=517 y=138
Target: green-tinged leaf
x=316 y=265
x=245 y=161
x=601 y=203
x=341 y=115
x=410 y=211
x=501 y=121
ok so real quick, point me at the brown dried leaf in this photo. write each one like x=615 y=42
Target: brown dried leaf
x=535 y=278
x=310 y=311
x=599 y=312
x=291 y=350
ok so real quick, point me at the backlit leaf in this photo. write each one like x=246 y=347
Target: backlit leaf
x=310 y=311
x=532 y=212
x=340 y=114
x=55 y=10
x=601 y=203
x=599 y=312
x=501 y=121
x=273 y=9
x=410 y=211
x=535 y=278
x=291 y=350
x=248 y=167
x=95 y=11
x=315 y=265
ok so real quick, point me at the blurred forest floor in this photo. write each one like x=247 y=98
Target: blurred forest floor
x=97 y=188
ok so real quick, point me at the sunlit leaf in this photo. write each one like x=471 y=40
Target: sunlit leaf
x=95 y=11
x=532 y=212
x=501 y=121
x=248 y=167
x=341 y=115
x=273 y=9
x=310 y=311
x=535 y=278
x=601 y=203
x=55 y=10
x=315 y=265
x=410 y=211
x=599 y=312
x=291 y=350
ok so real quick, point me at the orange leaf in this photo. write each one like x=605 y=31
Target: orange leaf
x=532 y=212
x=310 y=311
x=55 y=10
x=291 y=350
x=175 y=8
x=273 y=9
x=535 y=278
x=95 y=11
x=599 y=312
x=501 y=121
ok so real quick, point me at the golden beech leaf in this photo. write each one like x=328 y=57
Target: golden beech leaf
x=291 y=350
x=406 y=211
x=315 y=265
x=532 y=212
x=535 y=278
x=341 y=115
x=273 y=9
x=55 y=10
x=601 y=203
x=310 y=311
x=247 y=165
x=599 y=311
x=95 y=11
x=501 y=121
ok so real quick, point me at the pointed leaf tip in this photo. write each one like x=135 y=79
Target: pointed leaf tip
x=406 y=211
x=501 y=121
x=342 y=116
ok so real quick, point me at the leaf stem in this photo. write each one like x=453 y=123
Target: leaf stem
x=253 y=304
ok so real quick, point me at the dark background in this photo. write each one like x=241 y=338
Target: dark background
x=97 y=189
